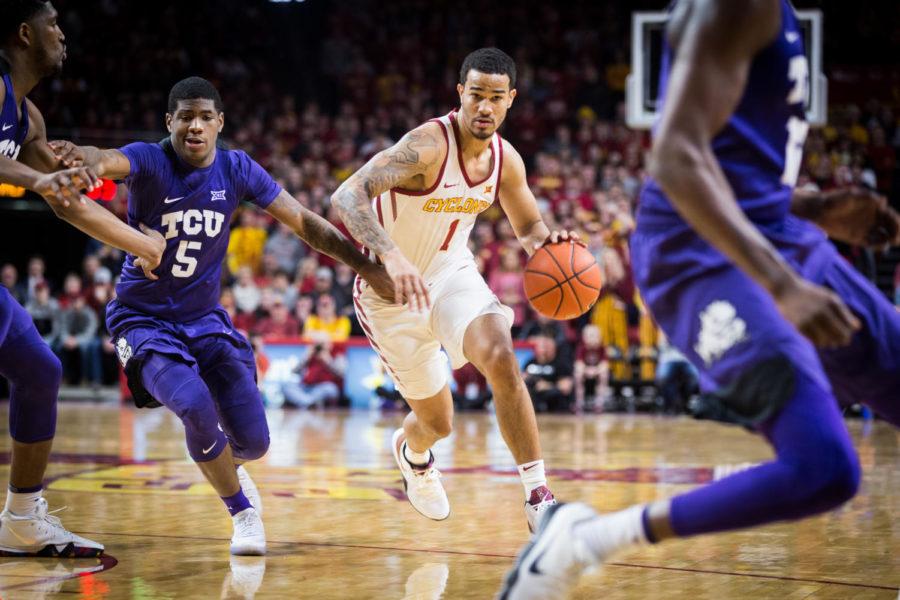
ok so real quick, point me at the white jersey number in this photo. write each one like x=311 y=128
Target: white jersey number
x=186 y=265
x=798 y=74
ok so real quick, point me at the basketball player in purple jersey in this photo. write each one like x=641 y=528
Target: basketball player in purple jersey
x=32 y=47
x=176 y=343
x=776 y=321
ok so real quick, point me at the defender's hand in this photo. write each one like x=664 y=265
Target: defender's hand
x=65 y=187
x=67 y=153
x=377 y=277
x=408 y=283
x=817 y=313
x=151 y=261
x=860 y=217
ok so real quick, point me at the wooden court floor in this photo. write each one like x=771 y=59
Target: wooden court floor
x=339 y=527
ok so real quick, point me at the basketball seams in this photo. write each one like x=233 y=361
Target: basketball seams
x=567 y=278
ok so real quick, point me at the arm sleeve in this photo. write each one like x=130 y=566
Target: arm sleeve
x=253 y=183
x=143 y=158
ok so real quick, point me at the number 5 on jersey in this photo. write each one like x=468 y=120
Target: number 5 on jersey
x=185 y=265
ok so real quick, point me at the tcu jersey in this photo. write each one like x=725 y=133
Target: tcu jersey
x=192 y=208
x=431 y=227
x=761 y=147
x=12 y=130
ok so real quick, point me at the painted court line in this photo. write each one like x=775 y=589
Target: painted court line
x=509 y=556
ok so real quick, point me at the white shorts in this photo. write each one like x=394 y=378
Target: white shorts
x=409 y=343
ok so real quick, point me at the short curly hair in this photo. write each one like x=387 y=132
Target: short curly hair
x=489 y=60
x=15 y=12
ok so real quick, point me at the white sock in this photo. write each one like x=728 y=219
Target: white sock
x=533 y=477
x=22 y=504
x=607 y=534
x=418 y=459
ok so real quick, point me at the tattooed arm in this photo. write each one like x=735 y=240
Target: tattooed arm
x=324 y=237
x=411 y=162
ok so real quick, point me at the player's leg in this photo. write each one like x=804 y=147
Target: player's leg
x=229 y=371
x=407 y=348
x=180 y=388
x=770 y=378
x=868 y=370
x=34 y=375
x=474 y=326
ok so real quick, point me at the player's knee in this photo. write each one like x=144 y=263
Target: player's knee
x=499 y=360
x=842 y=474
x=253 y=444
x=441 y=426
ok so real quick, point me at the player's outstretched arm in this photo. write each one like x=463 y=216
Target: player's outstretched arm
x=716 y=43
x=62 y=192
x=521 y=208
x=417 y=154
x=325 y=237
x=109 y=163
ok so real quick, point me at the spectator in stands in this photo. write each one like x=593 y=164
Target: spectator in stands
x=548 y=377
x=472 y=391
x=282 y=288
x=321 y=376
x=45 y=313
x=591 y=371
x=280 y=323
x=72 y=289
x=305 y=277
x=78 y=337
x=304 y=310
x=246 y=294
x=285 y=247
x=342 y=290
x=9 y=277
x=246 y=243
x=36 y=270
x=506 y=282
x=326 y=321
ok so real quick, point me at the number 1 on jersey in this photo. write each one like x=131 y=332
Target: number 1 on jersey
x=450 y=233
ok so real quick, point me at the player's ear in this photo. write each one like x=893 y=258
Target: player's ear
x=24 y=34
x=221 y=121
x=460 y=88
x=169 y=122
x=512 y=96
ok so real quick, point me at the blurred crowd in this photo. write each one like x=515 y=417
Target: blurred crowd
x=378 y=79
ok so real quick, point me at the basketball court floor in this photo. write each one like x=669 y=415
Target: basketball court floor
x=339 y=526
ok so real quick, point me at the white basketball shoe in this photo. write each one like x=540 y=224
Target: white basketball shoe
x=249 y=489
x=249 y=538
x=551 y=564
x=540 y=501
x=422 y=484
x=42 y=534
x=244 y=578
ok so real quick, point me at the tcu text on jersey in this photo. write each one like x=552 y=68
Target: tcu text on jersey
x=191 y=222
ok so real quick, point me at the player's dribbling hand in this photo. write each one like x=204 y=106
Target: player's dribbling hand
x=61 y=188
x=67 y=153
x=860 y=217
x=408 y=283
x=377 y=277
x=818 y=313
x=150 y=262
x=560 y=236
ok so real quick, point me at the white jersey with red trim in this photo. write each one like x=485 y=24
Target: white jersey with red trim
x=431 y=227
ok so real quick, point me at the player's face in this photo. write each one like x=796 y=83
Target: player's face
x=195 y=127
x=49 y=42
x=484 y=100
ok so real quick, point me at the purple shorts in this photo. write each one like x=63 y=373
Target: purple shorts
x=202 y=343
x=724 y=322
x=14 y=320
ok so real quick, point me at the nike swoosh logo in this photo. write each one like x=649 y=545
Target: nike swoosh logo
x=791 y=36
x=528 y=468
x=534 y=565
x=450 y=185
x=208 y=450
x=5 y=127
x=171 y=200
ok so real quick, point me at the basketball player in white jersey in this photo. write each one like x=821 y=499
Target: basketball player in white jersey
x=413 y=206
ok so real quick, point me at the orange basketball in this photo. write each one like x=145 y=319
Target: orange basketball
x=562 y=281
